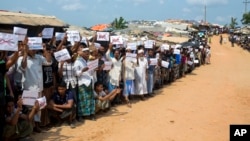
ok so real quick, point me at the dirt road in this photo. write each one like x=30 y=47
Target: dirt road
x=199 y=107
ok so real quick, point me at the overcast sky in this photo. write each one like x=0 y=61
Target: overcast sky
x=91 y=12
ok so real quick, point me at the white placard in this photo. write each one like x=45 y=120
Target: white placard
x=153 y=61
x=97 y=45
x=196 y=50
x=190 y=62
x=133 y=46
x=62 y=55
x=116 y=40
x=48 y=33
x=131 y=57
x=35 y=43
x=196 y=61
x=164 y=64
x=8 y=42
x=42 y=102
x=84 y=40
x=92 y=65
x=149 y=46
x=108 y=65
x=29 y=97
x=73 y=36
x=59 y=35
x=102 y=36
x=20 y=32
x=139 y=43
x=177 y=51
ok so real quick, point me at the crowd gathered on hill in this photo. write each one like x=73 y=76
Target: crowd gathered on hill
x=78 y=88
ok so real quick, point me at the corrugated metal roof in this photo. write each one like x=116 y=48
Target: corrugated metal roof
x=30 y=19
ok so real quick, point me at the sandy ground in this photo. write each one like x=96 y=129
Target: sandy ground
x=175 y=39
x=199 y=107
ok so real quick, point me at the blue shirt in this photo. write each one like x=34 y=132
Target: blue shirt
x=58 y=99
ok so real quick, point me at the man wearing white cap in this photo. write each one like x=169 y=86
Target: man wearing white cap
x=141 y=74
x=128 y=69
x=86 y=101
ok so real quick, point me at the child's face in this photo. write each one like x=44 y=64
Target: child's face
x=10 y=107
x=99 y=88
x=61 y=90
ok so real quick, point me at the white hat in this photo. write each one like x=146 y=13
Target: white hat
x=141 y=51
x=85 y=49
x=128 y=48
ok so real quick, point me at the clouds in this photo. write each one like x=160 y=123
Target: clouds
x=207 y=2
x=69 y=5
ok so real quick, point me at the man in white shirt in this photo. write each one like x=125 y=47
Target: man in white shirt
x=86 y=100
x=31 y=66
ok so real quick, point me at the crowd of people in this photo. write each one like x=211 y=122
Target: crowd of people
x=73 y=91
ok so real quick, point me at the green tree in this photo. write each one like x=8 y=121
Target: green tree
x=119 y=23
x=233 y=23
x=246 y=18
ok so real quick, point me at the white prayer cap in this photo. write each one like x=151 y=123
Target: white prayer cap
x=128 y=48
x=97 y=45
x=201 y=47
x=85 y=49
x=141 y=51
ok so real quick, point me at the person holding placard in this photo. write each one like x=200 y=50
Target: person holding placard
x=141 y=74
x=115 y=72
x=128 y=68
x=18 y=124
x=86 y=101
x=31 y=66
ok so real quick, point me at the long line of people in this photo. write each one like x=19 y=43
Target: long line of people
x=73 y=91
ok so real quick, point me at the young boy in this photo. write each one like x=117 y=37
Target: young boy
x=103 y=99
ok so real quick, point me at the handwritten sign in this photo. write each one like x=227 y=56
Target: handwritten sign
x=102 y=36
x=29 y=97
x=20 y=32
x=153 y=61
x=59 y=36
x=35 y=43
x=190 y=63
x=196 y=61
x=116 y=39
x=107 y=65
x=62 y=55
x=132 y=46
x=164 y=64
x=47 y=33
x=8 y=42
x=42 y=102
x=131 y=57
x=177 y=51
x=73 y=36
x=149 y=44
x=92 y=65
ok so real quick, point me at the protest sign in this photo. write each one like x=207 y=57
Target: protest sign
x=59 y=36
x=190 y=62
x=20 y=32
x=116 y=39
x=29 y=97
x=131 y=57
x=35 y=43
x=164 y=64
x=102 y=36
x=8 y=42
x=42 y=102
x=47 y=33
x=92 y=65
x=153 y=61
x=73 y=36
x=177 y=51
x=196 y=61
x=108 y=65
x=62 y=55
x=132 y=46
